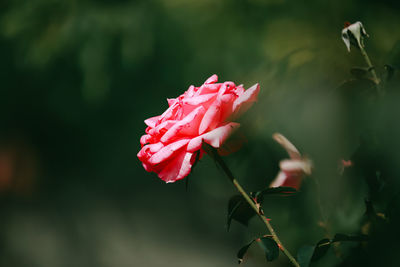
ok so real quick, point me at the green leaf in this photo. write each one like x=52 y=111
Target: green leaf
x=323 y=245
x=283 y=191
x=354 y=238
x=243 y=251
x=304 y=255
x=239 y=210
x=320 y=249
x=232 y=207
x=270 y=247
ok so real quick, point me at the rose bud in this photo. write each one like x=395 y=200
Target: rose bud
x=353 y=34
x=293 y=170
x=173 y=140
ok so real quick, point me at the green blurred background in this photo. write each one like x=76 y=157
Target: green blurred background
x=78 y=78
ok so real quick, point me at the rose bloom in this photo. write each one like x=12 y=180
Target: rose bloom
x=293 y=170
x=173 y=140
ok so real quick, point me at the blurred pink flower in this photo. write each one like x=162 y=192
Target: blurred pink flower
x=201 y=114
x=293 y=170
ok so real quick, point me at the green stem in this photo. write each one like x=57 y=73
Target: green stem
x=253 y=206
x=371 y=67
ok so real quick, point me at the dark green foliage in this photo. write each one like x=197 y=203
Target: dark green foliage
x=239 y=210
x=308 y=254
x=270 y=247
x=320 y=249
x=243 y=251
x=304 y=255
x=354 y=238
x=281 y=191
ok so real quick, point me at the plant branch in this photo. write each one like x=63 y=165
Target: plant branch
x=371 y=67
x=252 y=204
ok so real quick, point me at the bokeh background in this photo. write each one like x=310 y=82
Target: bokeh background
x=77 y=79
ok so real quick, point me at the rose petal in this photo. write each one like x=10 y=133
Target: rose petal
x=212 y=79
x=229 y=85
x=279 y=180
x=146 y=152
x=222 y=90
x=167 y=151
x=178 y=168
x=211 y=117
x=190 y=91
x=198 y=100
x=290 y=165
x=287 y=179
x=153 y=148
x=208 y=88
x=218 y=136
x=287 y=145
x=169 y=112
x=171 y=101
x=189 y=125
x=245 y=100
x=147 y=167
x=357 y=29
x=226 y=107
x=195 y=144
x=162 y=127
x=151 y=122
x=214 y=138
x=346 y=38
x=239 y=89
x=145 y=139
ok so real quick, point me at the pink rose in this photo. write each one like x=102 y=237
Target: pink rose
x=293 y=170
x=201 y=114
